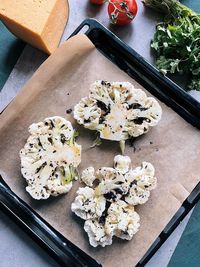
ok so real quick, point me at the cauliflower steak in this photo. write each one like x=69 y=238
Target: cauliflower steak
x=107 y=201
x=50 y=157
x=118 y=111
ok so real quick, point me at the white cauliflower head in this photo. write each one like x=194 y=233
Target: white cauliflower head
x=107 y=204
x=50 y=157
x=121 y=111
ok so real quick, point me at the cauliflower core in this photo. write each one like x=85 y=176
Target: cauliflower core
x=107 y=202
x=50 y=157
x=117 y=111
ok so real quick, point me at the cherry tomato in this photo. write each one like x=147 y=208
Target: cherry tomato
x=97 y=2
x=122 y=12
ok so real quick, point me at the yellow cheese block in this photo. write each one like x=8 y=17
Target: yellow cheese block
x=37 y=22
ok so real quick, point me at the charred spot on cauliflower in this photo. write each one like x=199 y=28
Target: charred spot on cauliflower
x=50 y=157
x=117 y=111
x=107 y=205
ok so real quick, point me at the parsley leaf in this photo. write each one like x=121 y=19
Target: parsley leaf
x=177 y=40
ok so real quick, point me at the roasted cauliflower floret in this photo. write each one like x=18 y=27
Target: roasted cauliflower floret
x=111 y=181
x=142 y=181
x=87 y=112
x=137 y=195
x=107 y=204
x=101 y=91
x=122 y=220
x=50 y=157
x=88 y=176
x=121 y=111
x=141 y=119
x=146 y=179
x=87 y=205
x=122 y=163
x=97 y=234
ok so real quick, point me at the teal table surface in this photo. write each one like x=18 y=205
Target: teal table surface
x=193 y=4
x=187 y=252
x=10 y=50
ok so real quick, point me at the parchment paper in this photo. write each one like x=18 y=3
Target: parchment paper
x=174 y=149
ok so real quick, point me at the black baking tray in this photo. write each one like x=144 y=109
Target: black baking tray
x=61 y=249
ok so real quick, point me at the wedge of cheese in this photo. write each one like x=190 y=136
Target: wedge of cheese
x=38 y=22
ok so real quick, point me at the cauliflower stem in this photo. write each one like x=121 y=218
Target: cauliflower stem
x=69 y=176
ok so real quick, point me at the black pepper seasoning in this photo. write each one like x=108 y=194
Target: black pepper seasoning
x=68 y=111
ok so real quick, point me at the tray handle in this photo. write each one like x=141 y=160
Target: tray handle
x=91 y=23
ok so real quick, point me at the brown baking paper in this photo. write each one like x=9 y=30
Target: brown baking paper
x=174 y=149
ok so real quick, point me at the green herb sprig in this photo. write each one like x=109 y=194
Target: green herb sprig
x=177 y=40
